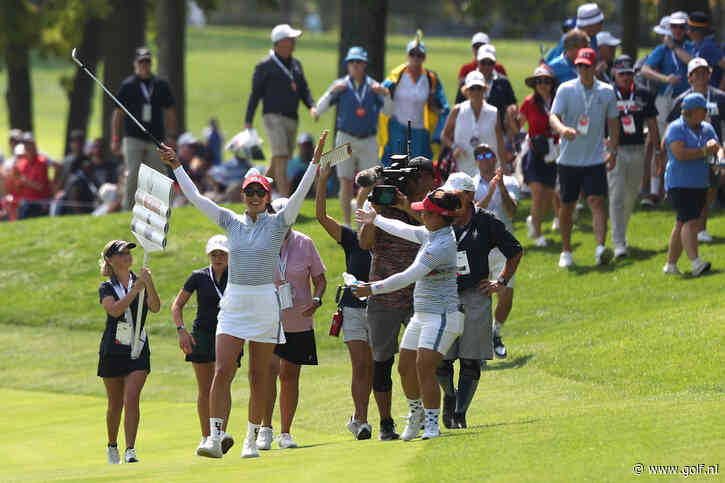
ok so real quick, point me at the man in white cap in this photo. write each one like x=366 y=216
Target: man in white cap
x=589 y=18
x=478 y=40
x=280 y=83
x=608 y=44
x=669 y=71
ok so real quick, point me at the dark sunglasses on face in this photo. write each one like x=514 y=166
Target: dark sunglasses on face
x=486 y=155
x=584 y=66
x=259 y=192
x=543 y=81
x=487 y=62
x=476 y=47
x=420 y=55
x=679 y=26
x=355 y=61
x=475 y=87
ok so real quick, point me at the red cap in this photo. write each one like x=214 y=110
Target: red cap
x=257 y=178
x=429 y=205
x=586 y=56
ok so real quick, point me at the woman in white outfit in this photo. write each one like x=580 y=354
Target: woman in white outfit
x=250 y=307
x=471 y=123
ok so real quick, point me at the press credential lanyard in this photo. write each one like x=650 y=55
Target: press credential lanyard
x=587 y=102
x=121 y=292
x=361 y=95
x=282 y=66
x=216 y=287
x=283 y=264
x=145 y=90
x=629 y=101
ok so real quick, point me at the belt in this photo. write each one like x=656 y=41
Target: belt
x=359 y=136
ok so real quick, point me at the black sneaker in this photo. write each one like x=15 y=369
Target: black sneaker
x=459 y=420
x=498 y=348
x=387 y=430
x=449 y=406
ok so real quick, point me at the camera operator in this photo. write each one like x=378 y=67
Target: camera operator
x=478 y=233
x=390 y=255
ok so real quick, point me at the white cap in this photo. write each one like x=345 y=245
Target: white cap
x=664 y=26
x=217 y=242
x=678 y=18
x=279 y=204
x=474 y=78
x=487 y=51
x=108 y=192
x=588 y=14
x=187 y=138
x=284 y=31
x=695 y=64
x=480 y=38
x=459 y=182
x=606 y=38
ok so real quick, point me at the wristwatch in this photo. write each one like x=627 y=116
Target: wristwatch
x=317 y=300
x=501 y=280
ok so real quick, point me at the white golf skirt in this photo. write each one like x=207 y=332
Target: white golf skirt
x=251 y=312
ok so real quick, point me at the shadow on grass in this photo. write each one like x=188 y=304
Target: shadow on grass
x=305 y=446
x=717 y=240
x=635 y=254
x=494 y=425
x=552 y=247
x=515 y=363
x=690 y=276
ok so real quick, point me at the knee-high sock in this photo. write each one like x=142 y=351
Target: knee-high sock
x=467 y=383
x=445 y=378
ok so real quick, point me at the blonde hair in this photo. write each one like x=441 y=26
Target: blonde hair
x=103 y=263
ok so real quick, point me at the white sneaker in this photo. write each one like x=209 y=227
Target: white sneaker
x=555 y=224
x=566 y=260
x=249 y=447
x=284 y=441
x=212 y=448
x=114 y=457
x=130 y=456
x=579 y=206
x=203 y=440
x=264 y=438
x=704 y=237
x=699 y=267
x=530 y=226
x=541 y=242
x=620 y=251
x=602 y=255
x=671 y=269
x=431 y=429
x=353 y=426
x=415 y=422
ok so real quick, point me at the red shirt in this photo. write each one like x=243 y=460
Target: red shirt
x=36 y=171
x=537 y=118
x=471 y=66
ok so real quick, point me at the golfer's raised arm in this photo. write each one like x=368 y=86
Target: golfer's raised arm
x=410 y=275
x=294 y=205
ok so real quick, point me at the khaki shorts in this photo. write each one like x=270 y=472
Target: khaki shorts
x=355 y=324
x=364 y=154
x=282 y=134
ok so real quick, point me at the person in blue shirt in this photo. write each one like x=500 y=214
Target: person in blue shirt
x=703 y=45
x=359 y=99
x=590 y=19
x=690 y=141
x=563 y=66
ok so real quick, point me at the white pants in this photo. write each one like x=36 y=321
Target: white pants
x=624 y=181
x=432 y=331
x=251 y=312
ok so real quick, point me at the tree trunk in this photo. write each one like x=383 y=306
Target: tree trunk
x=170 y=43
x=19 y=94
x=667 y=7
x=630 y=31
x=363 y=23
x=125 y=30
x=81 y=95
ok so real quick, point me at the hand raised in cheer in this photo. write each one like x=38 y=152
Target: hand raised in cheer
x=365 y=217
x=320 y=147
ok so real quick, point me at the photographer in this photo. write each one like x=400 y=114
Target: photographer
x=474 y=292
x=391 y=255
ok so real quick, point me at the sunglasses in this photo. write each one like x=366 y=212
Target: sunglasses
x=678 y=26
x=584 y=66
x=355 y=61
x=487 y=62
x=259 y=192
x=475 y=87
x=420 y=55
x=486 y=155
x=543 y=81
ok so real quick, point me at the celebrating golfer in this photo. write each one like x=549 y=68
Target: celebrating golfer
x=250 y=307
x=123 y=376
x=209 y=283
x=437 y=322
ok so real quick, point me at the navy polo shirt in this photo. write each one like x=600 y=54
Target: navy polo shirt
x=348 y=104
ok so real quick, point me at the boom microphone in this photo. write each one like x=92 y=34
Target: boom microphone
x=368 y=177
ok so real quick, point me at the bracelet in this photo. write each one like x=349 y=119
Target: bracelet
x=179 y=327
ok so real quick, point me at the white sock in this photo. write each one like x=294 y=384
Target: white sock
x=216 y=425
x=497 y=328
x=415 y=405
x=252 y=429
x=431 y=415
x=654 y=185
x=695 y=261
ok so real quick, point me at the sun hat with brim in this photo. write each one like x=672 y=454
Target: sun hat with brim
x=429 y=203
x=217 y=242
x=480 y=38
x=356 y=53
x=678 y=18
x=474 y=78
x=459 y=182
x=696 y=63
x=115 y=247
x=623 y=63
x=699 y=20
x=588 y=14
x=487 y=51
x=284 y=31
x=586 y=56
x=694 y=100
x=606 y=38
x=663 y=28
x=541 y=71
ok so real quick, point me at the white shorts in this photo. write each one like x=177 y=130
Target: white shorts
x=250 y=312
x=432 y=331
x=496 y=261
x=664 y=104
x=364 y=154
x=355 y=324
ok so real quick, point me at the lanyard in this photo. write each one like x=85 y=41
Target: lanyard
x=360 y=96
x=631 y=98
x=587 y=102
x=489 y=84
x=283 y=263
x=281 y=65
x=216 y=287
x=121 y=292
x=145 y=91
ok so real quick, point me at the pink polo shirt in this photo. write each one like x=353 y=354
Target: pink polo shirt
x=303 y=262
